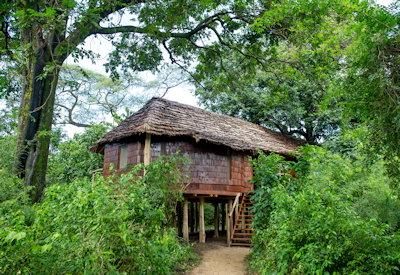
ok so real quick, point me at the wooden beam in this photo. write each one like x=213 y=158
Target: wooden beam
x=202 y=233
x=216 y=220
x=196 y=215
x=147 y=149
x=228 y=222
x=223 y=210
x=192 y=217
x=185 y=223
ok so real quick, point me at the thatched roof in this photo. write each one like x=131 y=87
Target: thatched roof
x=168 y=118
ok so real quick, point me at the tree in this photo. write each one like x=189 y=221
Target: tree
x=9 y=97
x=40 y=35
x=364 y=37
x=85 y=98
x=286 y=96
x=280 y=71
x=72 y=159
x=372 y=79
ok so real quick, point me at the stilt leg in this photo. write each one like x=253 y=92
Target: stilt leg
x=202 y=233
x=192 y=217
x=185 y=227
x=227 y=222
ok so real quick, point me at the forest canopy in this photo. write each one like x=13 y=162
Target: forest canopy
x=322 y=71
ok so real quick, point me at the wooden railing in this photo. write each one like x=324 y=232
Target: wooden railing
x=235 y=208
x=235 y=204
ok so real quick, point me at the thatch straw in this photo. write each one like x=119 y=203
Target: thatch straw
x=168 y=118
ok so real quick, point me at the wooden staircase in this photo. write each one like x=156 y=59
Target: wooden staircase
x=242 y=227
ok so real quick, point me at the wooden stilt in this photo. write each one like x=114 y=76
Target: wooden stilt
x=223 y=210
x=147 y=149
x=236 y=211
x=185 y=226
x=196 y=220
x=192 y=217
x=231 y=218
x=216 y=220
x=228 y=222
x=202 y=233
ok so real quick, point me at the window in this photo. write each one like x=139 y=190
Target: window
x=123 y=157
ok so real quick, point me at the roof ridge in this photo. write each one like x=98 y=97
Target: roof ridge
x=160 y=116
x=154 y=98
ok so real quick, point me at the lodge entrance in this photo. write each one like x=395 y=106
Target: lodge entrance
x=229 y=218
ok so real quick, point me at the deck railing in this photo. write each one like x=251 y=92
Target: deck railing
x=235 y=208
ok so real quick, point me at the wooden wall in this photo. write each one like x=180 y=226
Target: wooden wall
x=212 y=169
x=111 y=155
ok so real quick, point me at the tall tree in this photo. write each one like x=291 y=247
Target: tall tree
x=40 y=35
x=279 y=71
x=84 y=97
x=287 y=95
x=365 y=38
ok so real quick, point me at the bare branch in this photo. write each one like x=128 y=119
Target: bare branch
x=70 y=117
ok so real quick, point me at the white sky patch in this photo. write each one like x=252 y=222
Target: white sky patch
x=385 y=2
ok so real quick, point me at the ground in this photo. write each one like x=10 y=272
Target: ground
x=217 y=259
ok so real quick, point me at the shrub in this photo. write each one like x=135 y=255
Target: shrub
x=117 y=224
x=334 y=216
x=7 y=143
x=72 y=159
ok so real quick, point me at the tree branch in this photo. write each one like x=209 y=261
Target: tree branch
x=163 y=34
x=70 y=118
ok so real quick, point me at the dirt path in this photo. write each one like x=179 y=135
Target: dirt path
x=218 y=259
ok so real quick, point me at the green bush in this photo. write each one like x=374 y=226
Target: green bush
x=335 y=215
x=117 y=224
x=7 y=143
x=72 y=159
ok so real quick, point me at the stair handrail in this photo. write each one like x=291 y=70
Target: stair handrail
x=234 y=204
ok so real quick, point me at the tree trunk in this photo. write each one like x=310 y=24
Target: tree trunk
x=36 y=113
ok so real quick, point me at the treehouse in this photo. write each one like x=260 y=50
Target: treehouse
x=219 y=148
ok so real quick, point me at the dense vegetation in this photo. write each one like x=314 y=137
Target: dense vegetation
x=118 y=224
x=324 y=71
x=336 y=215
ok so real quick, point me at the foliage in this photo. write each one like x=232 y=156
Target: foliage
x=85 y=97
x=118 y=224
x=372 y=80
x=9 y=97
x=72 y=159
x=7 y=156
x=280 y=71
x=209 y=215
x=62 y=27
x=335 y=215
x=359 y=40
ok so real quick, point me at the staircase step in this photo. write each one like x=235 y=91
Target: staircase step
x=240 y=223
x=244 y=224
x=242 y=234
x=244 y=229
x=241 y=239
